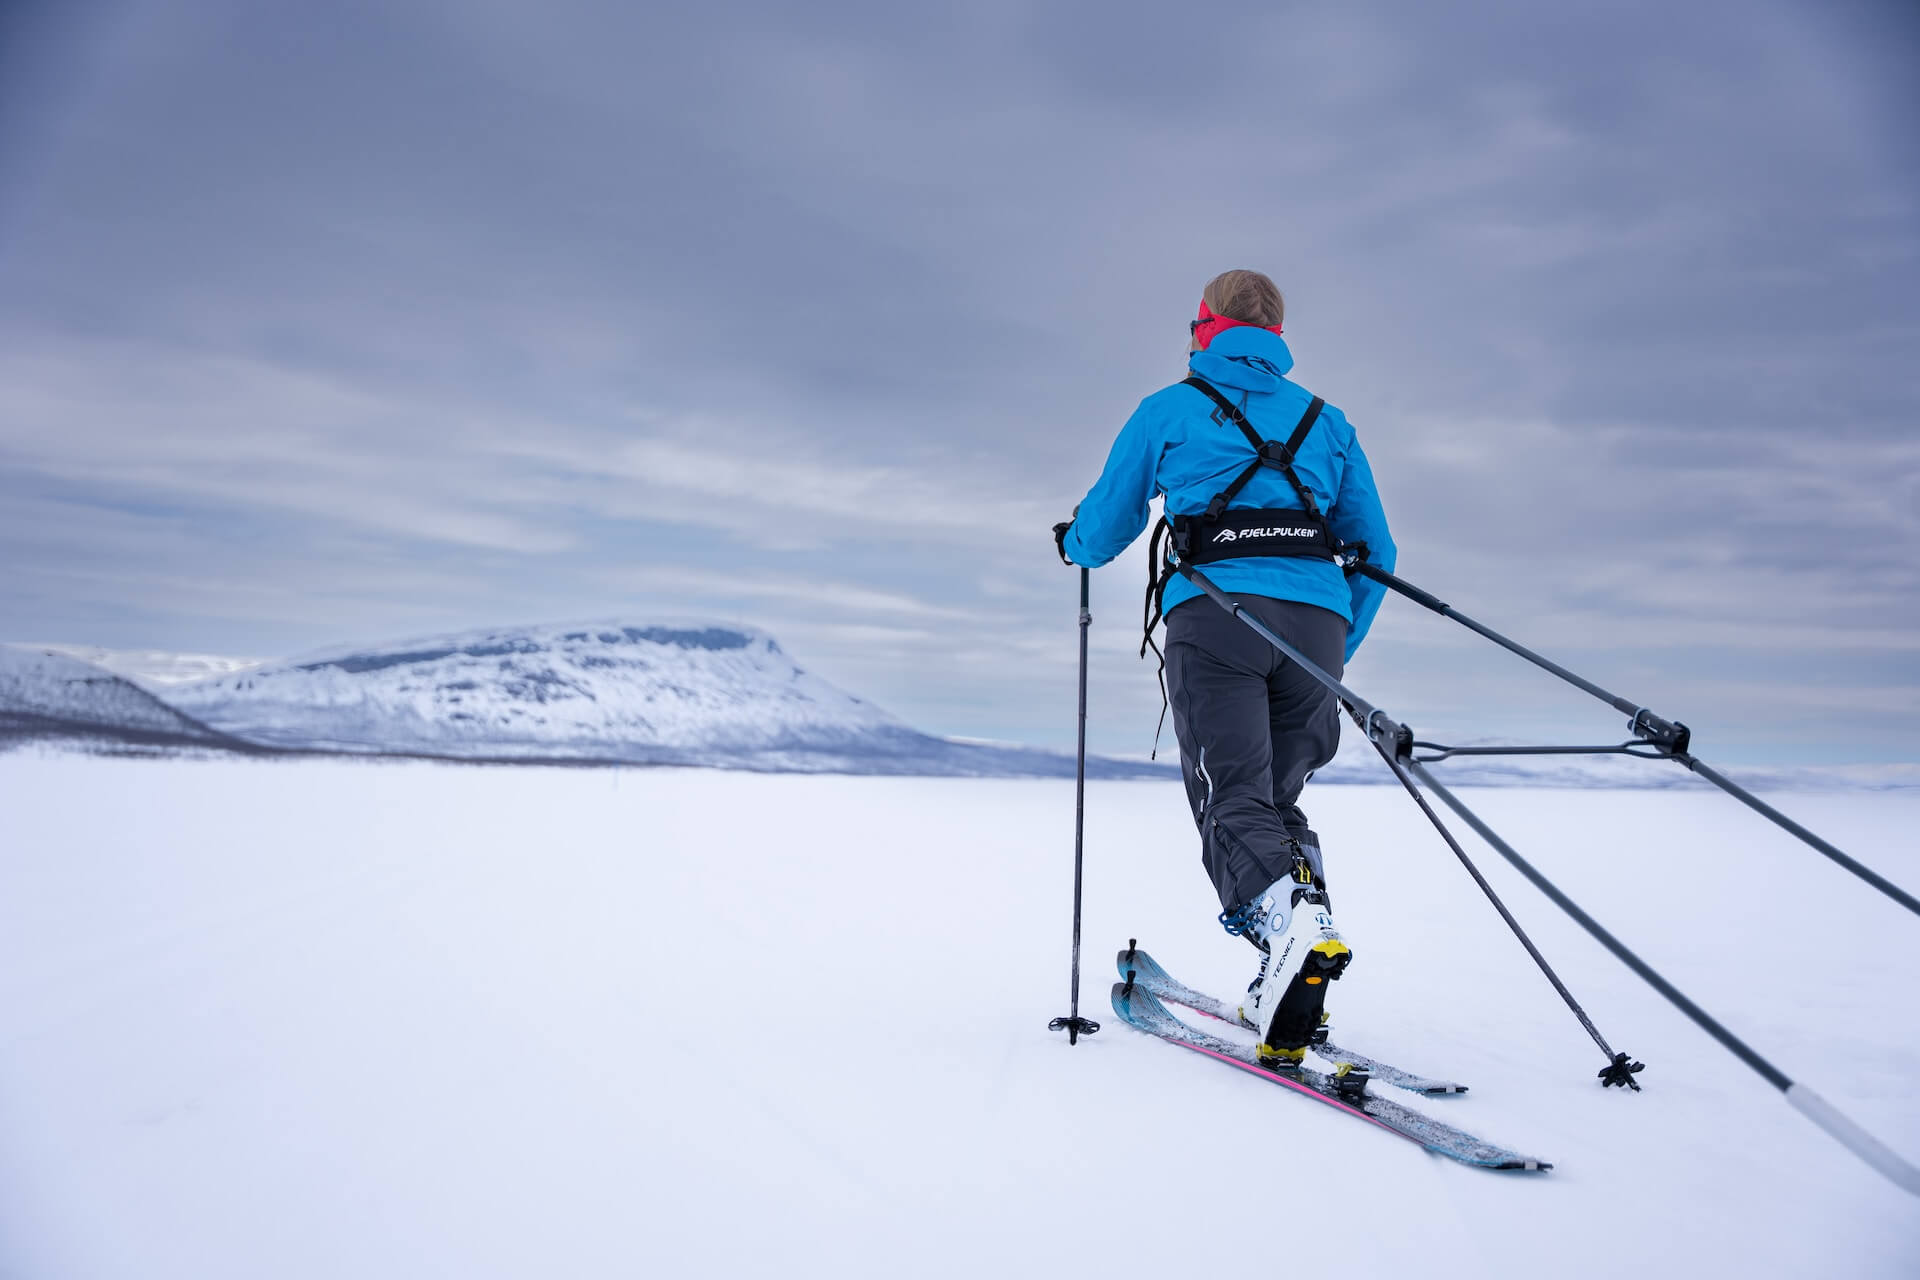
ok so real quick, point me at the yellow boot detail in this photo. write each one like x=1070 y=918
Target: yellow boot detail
x=1280 y=1057
x=1332 y=949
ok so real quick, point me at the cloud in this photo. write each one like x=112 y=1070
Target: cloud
x=320 y=325
x=838 y=598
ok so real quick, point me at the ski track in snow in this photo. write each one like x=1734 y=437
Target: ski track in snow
x=324 y=1019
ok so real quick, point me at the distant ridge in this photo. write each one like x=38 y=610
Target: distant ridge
x=638 y=692
x=152 y=669
x=48 y=695
x=657 y=691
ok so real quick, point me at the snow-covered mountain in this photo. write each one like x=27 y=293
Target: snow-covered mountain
x=654 y=692
x=44 y=693
x=157 y=669
x=627 y=691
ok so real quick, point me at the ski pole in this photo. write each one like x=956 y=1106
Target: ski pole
x=1672 y=738
x=1394 y=742
x=1382 y=730
x=1837 y=1124
x=1073 y=1024
x=1620 y=1068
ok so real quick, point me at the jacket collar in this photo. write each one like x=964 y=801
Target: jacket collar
x=1244 y=358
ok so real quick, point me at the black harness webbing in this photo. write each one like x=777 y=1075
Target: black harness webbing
x=1266 y=452
x=1222 y=534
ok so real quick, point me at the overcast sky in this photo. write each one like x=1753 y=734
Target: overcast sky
x=328 y=323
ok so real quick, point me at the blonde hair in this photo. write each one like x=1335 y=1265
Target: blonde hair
x=1246 y=296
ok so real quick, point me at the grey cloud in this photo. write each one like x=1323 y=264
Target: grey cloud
x=502 y=301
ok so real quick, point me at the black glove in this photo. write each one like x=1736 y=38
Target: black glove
x=1060 y=540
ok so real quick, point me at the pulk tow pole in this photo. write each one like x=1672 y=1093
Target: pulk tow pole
x=1659 y=738
x=1382 y=729
x=1395 y=743
x=1073 y=1024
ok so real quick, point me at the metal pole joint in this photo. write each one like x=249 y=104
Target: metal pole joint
x=1669 y=735
x=1392 y=736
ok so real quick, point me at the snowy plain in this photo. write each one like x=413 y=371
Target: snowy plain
x=339 y=1018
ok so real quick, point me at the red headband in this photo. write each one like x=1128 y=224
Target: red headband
x=1210 y=326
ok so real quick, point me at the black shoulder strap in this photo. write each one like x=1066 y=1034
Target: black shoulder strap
x=1231 y=410
x=1300 y=433
x=1268 y=454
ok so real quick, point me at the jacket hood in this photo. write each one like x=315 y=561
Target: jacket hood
x=1244 y=358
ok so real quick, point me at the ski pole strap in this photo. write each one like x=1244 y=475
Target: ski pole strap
x=1158 y=571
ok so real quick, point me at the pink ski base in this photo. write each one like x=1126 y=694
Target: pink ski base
x=1296 y=1086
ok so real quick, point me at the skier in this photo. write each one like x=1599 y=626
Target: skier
x=1264 y=518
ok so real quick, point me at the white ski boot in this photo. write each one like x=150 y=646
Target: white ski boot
x=1287 y=1002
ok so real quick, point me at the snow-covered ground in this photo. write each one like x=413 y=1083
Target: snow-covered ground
x=352 y=1019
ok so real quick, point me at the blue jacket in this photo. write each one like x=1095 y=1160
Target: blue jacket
x=1172 y=445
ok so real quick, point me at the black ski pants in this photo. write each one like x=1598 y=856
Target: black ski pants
x=1252 y=725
